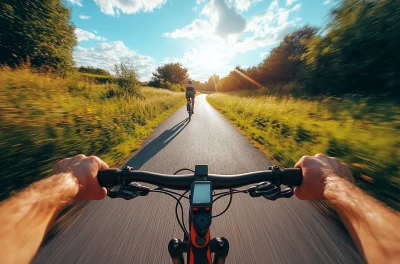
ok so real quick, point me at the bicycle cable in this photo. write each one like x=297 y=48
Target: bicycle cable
x=227 y=207
x=184 y=169
x=183 y=218
x=176 y=211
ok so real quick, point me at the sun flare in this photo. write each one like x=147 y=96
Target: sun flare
x=209 y=59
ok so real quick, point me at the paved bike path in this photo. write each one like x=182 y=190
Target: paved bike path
x=259 y=231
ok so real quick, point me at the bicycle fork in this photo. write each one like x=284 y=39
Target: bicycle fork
x=218 y=246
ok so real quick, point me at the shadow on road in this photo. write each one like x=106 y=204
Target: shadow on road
x=152 y=148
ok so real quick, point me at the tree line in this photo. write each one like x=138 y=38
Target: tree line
x=94 y=70
x=174 y=74
x=356 y=53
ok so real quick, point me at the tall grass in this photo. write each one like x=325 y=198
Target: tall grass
x=362 y=132
x=44 y=119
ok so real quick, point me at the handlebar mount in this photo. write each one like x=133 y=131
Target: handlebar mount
x=128 y=191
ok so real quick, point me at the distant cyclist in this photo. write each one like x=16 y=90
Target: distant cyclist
x=190 y=92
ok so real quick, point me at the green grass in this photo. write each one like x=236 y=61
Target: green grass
x=362 y=132
x=45 y=119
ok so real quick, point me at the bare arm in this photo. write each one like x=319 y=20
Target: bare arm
x=26 y=217
x=373 y=227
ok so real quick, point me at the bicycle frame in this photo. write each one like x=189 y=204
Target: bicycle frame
x=189 y=107
x=198 y=246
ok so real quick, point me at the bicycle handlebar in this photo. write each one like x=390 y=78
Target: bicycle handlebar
x=114 y=177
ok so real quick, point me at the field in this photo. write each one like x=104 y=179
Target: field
x=363 y=132
x=45 y=119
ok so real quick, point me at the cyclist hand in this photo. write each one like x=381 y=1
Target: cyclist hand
x=84 y=169
x=317 y=171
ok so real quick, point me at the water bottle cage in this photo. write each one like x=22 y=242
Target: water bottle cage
x=128 y=192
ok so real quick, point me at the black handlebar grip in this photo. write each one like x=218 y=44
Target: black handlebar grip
x=292 y=177
x=107 y=177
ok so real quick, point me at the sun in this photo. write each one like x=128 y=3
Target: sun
x=209 y=58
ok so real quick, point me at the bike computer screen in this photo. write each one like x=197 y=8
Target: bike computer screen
x=201 y=193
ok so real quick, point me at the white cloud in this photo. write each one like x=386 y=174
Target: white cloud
x=198 y=28
x=327 y=2
x=225 y=19
x=96 y=32
x=222 y=21
x=76 y=2
x=106 y=54
x=262 y=30
x=83 y=35
x=289 y=2
x=84 y=17
x=244 y=5
x=112 y=7
x=268 y=28
x=263 y=55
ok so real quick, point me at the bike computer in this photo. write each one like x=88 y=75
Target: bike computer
x=201 y=194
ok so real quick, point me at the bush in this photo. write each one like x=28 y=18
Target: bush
x=96 y=79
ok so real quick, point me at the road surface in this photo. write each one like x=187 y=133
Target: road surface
x=259 y=231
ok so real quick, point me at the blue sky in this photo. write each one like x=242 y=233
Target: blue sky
x=206 y=36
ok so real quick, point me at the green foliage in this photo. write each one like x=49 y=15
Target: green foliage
x=360 y=131
x=278 y=70
x=171 y=72
x=359 y=53
x=168 y=85
x=127 y=79
x=44 y=120
x=38 y=32
x=96 y=79
x=94 y=71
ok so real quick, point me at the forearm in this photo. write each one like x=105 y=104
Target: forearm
x=30 y=214
x=373 y=227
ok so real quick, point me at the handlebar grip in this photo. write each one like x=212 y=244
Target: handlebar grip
x=107 y=178
x=292 y=177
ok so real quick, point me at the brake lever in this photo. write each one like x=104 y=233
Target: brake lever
x=129 y=192
x=269 y=191
x=261 y=189
x=286 y=193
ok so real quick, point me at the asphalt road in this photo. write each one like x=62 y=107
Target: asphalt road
x=259 y=231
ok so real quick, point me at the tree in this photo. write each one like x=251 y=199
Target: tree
x=127 y=78
x=38 y=29
x=211 y=84
x=284 y=61
x=171 y=72
x=280 y=68
x=359 y=52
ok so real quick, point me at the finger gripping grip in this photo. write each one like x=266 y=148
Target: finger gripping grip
x=107 y=178
x=292 y=177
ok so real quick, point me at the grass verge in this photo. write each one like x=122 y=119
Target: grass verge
x=45 y=119
x=360 y=131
